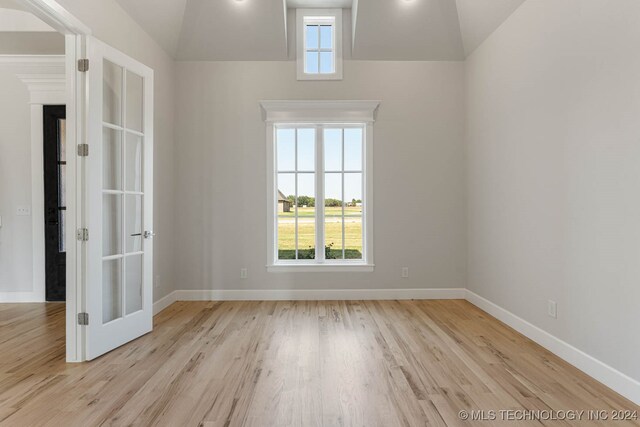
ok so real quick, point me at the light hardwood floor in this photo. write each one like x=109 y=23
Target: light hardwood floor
x=353 y=363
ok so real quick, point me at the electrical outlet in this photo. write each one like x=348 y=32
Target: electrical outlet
x=405 y=272
x=243 y=273
x=23 y=210
x=552 y=309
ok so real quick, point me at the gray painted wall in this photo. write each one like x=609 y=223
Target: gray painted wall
x=553 y=126
x=16 y=262
x=419 y=185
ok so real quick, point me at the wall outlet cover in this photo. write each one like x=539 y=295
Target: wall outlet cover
x=23 y=210
x=552 y=309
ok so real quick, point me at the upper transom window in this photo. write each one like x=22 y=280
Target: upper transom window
x=319 y=44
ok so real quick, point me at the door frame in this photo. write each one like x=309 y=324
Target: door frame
x=75 y=33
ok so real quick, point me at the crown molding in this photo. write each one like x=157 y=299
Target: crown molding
x=43 y=75
x=319 y=111
x=32 y=60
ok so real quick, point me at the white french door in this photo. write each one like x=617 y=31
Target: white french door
x=119 y=194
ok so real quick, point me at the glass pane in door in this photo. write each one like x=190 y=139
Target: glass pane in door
x=111 y=224
x=134 y=99
x=133 y=283
x=111 y=290
x=133 y=217
x=112 y=93
x=111 y=159
x=134 y=162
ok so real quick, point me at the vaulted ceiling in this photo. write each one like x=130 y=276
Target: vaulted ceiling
x=225 y=30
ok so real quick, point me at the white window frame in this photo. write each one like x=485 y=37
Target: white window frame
x=318 y=114
x=319 y=17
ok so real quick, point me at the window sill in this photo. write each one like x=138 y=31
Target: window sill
x=320 y=268
x=320 y=76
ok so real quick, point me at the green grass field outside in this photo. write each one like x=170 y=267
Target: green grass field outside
x=333 y=233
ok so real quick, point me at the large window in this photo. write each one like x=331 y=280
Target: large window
x=320 y=192
x=319 y=38
x=329 y=220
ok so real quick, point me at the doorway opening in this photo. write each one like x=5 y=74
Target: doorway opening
x=40 y=44
x=55 y=163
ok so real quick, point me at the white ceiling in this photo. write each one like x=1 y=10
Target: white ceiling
x=480 y=18
x=224 y=30
x=161 y=19
x=407 y=30
x=342 y=4
x=232 y=30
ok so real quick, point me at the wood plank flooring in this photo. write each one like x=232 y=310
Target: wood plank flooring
x=351 y=363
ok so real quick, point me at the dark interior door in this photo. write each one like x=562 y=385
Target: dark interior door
x=55 y=201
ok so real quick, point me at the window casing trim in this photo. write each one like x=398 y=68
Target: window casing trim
x=325 y=113
x=317 y=15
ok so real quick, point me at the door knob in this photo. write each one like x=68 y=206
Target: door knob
x=149 y=234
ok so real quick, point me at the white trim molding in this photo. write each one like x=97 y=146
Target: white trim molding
x=319 y=111
x=307 y=295
x=165 y=302
x=612 y=378
x=33 y=60
x=44 y=76
x=320 y=268
x=45 y=89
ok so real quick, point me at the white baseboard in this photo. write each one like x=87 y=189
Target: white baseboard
x=164 y=302
x=318 y=294
x=299 y=295
x=16 y=297
x=612 y=378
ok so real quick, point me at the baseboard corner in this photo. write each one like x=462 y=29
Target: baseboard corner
x=165 y=302
x=617 y=381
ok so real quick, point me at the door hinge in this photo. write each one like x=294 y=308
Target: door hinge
x=83 y=234
x=83 y=150
x=83 y=65
x=83 y=319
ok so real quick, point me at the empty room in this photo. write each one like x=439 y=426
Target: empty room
x=319 y=213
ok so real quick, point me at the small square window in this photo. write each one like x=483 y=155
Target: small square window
x=319 y=44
